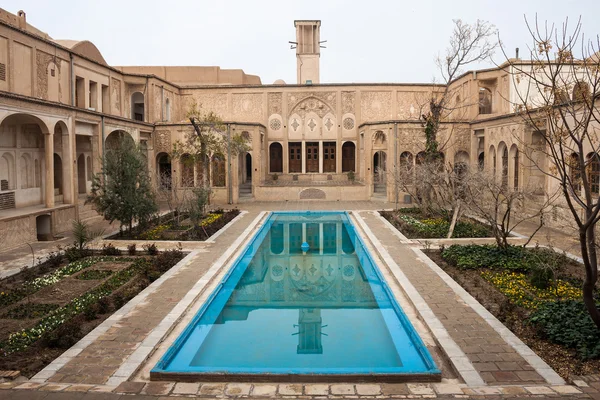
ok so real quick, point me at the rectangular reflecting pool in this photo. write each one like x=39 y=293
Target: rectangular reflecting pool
x=305 y=300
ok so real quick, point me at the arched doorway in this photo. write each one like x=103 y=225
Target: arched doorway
x=164 y=171
x=81 y=175
x=58 y=174
x=348 y=157
x=379 y=166
x=248 y=167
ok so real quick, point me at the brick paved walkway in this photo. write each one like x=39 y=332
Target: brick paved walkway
x=489 y=353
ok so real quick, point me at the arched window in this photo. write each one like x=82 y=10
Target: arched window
x=275 y=158
x=514 y=153
x=581 y=91
x=505 y=167
x=594 y=172
x=420 y=158
x=187 y=170
x=218 y=170
x=481 y=161
x=493 y=160
x=137 y=106
x=348 y=157
x=461 y=163
x=485 y=101
x=406 y=161
x=164 y=171
x=58 y=174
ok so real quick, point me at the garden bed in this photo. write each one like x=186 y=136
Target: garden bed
x=507 y=287
x=167 y=228
x=48 y=308
x=414 y=225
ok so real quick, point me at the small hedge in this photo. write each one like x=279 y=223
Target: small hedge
x=568 y=323
x=512 y=258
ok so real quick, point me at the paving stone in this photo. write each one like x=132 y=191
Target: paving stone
x=238 y=389
x=580 y=383
x=157 y=388
x=368 y=390
x=565 y=389
x=420 y=388
x=29 y=385
x=10 y=385
x=54 y=387
x=316 y=390
x=79 y=388
x=394 y=389
x=539 y=390
x=186 y=388
x=212 y=389
x=447 y=388
x=342 y=389
x=130 y=387
x=290 y=390
x=530 y=376
x=486 y=390
x=264 y=390
x=505 y=376
x=102 y=389
x=513 y=390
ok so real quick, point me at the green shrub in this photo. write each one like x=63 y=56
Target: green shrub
x=131 y=250
x=514 y=258
x=568 y=323
x=151 y=249
x=110 y=250
x=541 y=276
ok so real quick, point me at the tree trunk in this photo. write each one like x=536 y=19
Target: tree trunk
x=454 y=220
x=590 y=261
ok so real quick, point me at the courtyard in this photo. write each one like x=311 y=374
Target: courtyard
x=476 y=354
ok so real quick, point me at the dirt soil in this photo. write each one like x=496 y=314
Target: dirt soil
x=564 y=361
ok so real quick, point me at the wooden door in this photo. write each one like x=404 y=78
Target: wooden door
x=295 y=157
x=329 y=157
x=348 y=157
x=276 y=158
x=312 y=157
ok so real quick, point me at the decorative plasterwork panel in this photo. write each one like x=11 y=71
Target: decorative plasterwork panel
x=274 y=103
x=215 y=102
x=376 y=106
x=407 y=105
x=318 y=102
x=162 y=141
x=247 y=107
x=348 y=102
x=116 y=94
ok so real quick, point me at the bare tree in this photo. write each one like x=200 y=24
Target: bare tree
x=174 y=194
x=469 y=44
x=503 y=207
x=558 y=97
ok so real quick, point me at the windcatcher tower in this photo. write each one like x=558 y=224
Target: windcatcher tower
x=308 y=50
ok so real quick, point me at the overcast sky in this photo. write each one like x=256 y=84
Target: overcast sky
x=368 y=40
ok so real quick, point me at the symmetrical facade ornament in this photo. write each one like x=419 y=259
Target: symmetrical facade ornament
x=318 y=102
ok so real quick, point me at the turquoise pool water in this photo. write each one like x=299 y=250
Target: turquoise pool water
x=304 y=298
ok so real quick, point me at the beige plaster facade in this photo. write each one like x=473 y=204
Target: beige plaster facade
x=60 y=103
